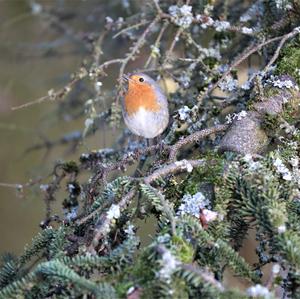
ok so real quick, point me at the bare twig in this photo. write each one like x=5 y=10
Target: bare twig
x=128 y=158
x=158 y=8
x=56 y=95
x=135 y=26
x=63 y=92
x=19 y=186
x=174 y=41
x=11 y=185
x=97 y=51
x=194 y=138
x=175 y=167
x=157 y=41
x=199 y=49
x=131 y=55
x=238 y=62
x=176 y=37
x=282 y=42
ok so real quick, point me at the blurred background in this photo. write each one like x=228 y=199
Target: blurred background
x=39 y=52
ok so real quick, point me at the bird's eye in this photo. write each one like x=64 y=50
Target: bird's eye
x=141 y=79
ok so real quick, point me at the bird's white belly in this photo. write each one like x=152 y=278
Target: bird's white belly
x=147 y=124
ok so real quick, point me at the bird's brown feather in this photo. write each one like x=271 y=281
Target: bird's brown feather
x=140 y=95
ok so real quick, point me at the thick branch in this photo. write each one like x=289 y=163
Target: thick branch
x=178 y=166
x=194 y=138
x=105 y=222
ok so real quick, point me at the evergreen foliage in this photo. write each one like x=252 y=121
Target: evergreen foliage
x=206 y=201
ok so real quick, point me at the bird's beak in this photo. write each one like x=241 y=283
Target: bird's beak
x=127 y=79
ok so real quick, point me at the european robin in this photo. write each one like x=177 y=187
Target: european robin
x=145 y=106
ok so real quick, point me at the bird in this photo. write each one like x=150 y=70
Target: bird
x=145 y=106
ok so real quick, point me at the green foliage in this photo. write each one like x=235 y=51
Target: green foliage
x=59 y=242
x=19 y=286
x=8 y=272
x=234 y=260
x=160 y=204
x=184 y=250
x=247 y=193
x=271 y=124
x=290 y=61
x=40 y=242
x=112 y=191
x=289 y=243
x=199 y=286
x=65 y=275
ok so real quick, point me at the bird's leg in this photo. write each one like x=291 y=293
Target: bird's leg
x=149 y=142
x=159 y=140
x=141 y=142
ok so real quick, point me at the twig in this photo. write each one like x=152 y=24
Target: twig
x=61 y=93
x=135 y=26
x=128 y=158
x=199 y=49
x=10 y=185
x=158 y=8
x=157 y=42
x=130 y=56
x=175 y=167
x=194 y=138
x=254 y=49
x=176 y=37
x=97 y=51
x=83 y=220
x=55 y=95
x=125 y=160
x=174 y=41
x=282 y=42
x=105 y=222
x=238 y=62
x=74 y=137
x=21 y=186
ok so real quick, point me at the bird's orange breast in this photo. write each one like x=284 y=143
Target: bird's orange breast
x=140 y=96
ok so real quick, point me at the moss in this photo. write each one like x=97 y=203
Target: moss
x=210 y=174
x=268 y=92
x=184 y=250
x=250 y=103
x=122 y=289
x=174 y=189
x=287 y=150
x=192 y=187
x=210 y=62
x=271 y=91
x=291 y=110
x=270 y=124
x=277 y=214
x=289 y=62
